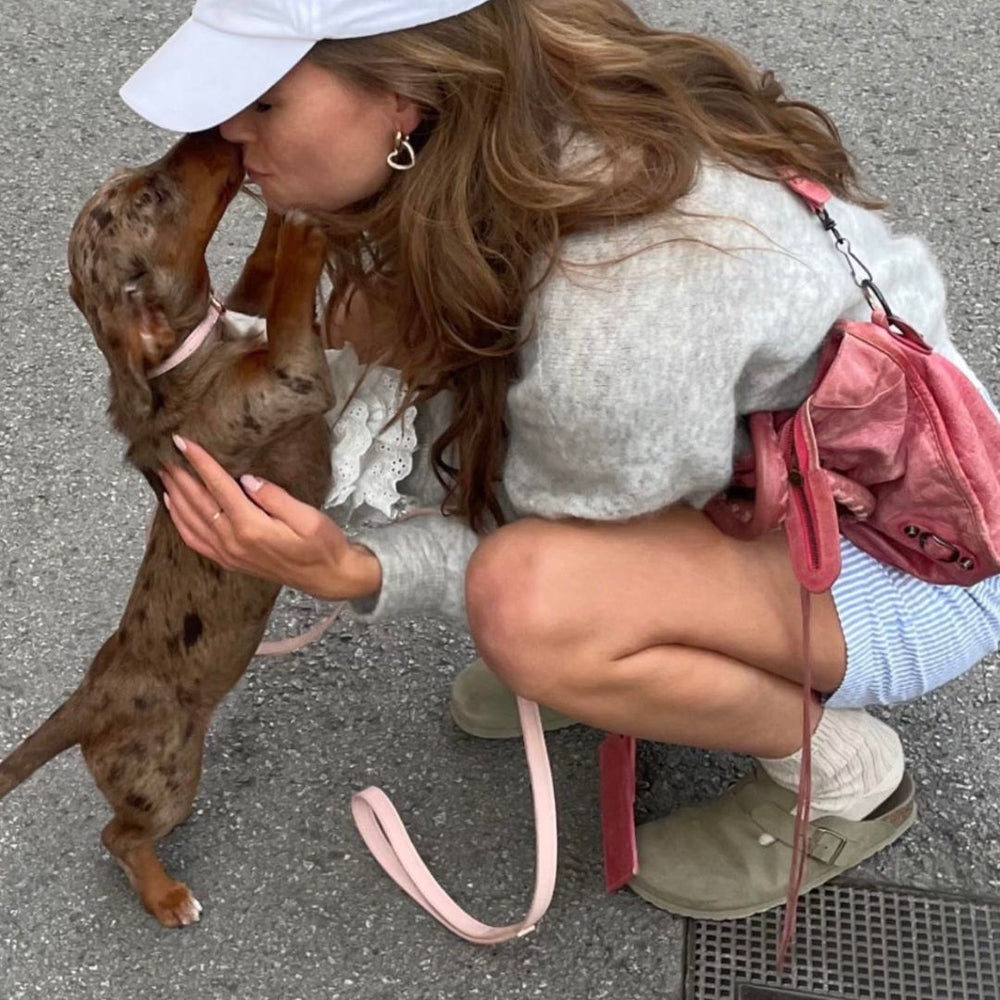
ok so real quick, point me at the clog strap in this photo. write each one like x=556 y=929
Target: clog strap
x=834 y=840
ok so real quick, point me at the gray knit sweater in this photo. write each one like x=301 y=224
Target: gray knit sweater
x=635 y=374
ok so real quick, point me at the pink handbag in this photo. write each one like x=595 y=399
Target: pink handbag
x=894 y=448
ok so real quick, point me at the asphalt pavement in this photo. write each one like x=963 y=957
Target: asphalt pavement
x=295 y=909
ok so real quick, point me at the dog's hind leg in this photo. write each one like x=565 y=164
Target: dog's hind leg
x=148 y=769
x=170 y=901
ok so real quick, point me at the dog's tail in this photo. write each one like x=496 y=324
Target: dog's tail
x=59 y=732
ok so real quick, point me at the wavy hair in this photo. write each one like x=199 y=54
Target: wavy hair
x=451 y=248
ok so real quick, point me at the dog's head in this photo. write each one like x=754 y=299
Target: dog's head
x=137 y=257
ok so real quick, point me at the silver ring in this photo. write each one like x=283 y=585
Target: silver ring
x=216 y=516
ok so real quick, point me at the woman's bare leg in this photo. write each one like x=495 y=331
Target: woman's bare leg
x=660 y=627
x=664 y=628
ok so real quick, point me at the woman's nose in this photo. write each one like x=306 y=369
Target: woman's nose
x=237 y=129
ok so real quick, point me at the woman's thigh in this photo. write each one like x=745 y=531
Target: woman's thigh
x=584 y=593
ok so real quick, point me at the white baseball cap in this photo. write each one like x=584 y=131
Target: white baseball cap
x=229 y=52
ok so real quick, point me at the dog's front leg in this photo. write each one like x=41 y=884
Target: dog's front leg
x=253 y=289
x=295 y=352
x=290 y=383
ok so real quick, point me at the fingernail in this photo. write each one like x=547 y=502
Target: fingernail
x=180 y=443
x=166 y=500
x=251 y=483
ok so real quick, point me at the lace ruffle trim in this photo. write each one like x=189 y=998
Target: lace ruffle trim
x=372 y=452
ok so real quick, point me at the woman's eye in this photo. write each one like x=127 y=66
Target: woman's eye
x=261 y=106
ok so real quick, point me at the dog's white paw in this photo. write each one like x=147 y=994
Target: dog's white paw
x=193 y=914
x=177 y=907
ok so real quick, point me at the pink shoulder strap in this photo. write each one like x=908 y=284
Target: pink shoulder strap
x=814 y=194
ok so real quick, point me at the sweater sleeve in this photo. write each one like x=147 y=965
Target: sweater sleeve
x=423 y=564
x=424 y=558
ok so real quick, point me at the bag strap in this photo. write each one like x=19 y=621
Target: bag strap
x=387 y=839
x=813 y=535
x=811 y=523
x=812 y=526
x=802 y=835
x=817 y=196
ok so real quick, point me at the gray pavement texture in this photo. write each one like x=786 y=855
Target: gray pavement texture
x=295 y=908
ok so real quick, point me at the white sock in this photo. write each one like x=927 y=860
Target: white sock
x=857 y=763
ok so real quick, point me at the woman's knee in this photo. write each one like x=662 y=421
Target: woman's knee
x=510 y=588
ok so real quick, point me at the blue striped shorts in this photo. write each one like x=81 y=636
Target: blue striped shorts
x=904 y=636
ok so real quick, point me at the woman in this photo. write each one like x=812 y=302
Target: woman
x=587 y=272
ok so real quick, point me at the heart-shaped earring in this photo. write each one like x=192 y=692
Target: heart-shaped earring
x=403 y=156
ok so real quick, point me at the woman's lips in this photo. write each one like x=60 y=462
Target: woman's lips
x=254 y=175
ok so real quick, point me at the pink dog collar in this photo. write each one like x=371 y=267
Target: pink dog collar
x=193 y=341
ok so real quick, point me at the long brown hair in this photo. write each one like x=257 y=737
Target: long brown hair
x=450 y=246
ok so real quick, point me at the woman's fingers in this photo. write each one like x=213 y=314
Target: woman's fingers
x=219 y=484
x=182 y=486
x=194 y=527
x=299 y=517
x=224 y=535
x=265 y=532
x=218 y=520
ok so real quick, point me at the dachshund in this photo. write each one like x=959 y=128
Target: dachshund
x=190 y=628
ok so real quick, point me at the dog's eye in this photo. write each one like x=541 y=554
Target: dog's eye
x=137 y=270
x=136 y=273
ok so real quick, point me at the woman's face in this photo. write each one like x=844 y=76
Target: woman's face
x=314 y=141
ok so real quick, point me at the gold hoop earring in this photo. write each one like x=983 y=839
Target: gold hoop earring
x=402 y=146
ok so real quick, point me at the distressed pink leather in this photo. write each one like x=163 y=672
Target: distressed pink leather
x=894 y=448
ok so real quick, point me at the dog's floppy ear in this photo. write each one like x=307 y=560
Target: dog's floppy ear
x=132 y=334
x=150 y=339
x=135 y=338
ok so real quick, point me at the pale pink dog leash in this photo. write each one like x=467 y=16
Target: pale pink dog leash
x=383 y=831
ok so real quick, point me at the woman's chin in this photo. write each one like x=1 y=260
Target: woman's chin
x=259 y=187
x=279 y=205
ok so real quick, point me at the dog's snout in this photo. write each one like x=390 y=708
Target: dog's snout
x=209 y=171
x=206 y=150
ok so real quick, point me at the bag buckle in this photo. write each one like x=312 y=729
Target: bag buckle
x=862 y=276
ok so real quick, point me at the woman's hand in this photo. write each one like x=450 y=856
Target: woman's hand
x=264 y=531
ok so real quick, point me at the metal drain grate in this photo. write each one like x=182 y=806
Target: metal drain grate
x=853 y=943
x=766 y=993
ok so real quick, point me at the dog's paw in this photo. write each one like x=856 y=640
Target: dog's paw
x=176 y=907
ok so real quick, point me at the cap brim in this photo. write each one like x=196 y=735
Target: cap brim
x=200 y=76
